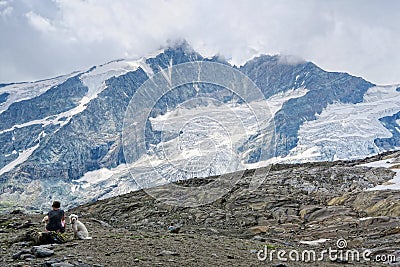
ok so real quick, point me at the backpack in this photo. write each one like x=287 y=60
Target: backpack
x=53 y=237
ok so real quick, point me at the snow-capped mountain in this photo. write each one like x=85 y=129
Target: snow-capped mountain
x=62 y=137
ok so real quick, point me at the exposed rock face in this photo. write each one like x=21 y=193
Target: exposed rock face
x=3 y=97
x=272 y=77
x=377 y=203
x=57 y=99
x=289 y=194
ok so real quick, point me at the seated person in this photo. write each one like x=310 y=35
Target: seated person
x=56 y=218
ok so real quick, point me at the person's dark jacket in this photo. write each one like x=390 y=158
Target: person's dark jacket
x=55 y=217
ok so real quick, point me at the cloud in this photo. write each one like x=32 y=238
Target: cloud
x=5 y=9
x=358 y=37
x=38 y=22
x=290 y=59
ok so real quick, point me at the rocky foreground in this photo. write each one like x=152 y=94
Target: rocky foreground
x=302 y=208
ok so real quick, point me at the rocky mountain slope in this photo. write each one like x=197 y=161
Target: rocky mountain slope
x=62 y=138
x=298 y=207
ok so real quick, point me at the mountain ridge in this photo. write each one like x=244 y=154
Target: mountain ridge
x=76 y=126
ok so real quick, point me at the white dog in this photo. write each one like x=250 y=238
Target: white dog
x=45 y=220
x=78 y=227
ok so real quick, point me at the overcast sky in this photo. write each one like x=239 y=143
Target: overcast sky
x=44 y=38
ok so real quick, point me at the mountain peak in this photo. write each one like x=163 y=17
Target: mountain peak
x=180 y=45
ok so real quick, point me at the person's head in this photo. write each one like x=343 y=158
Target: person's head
x=56 y=205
